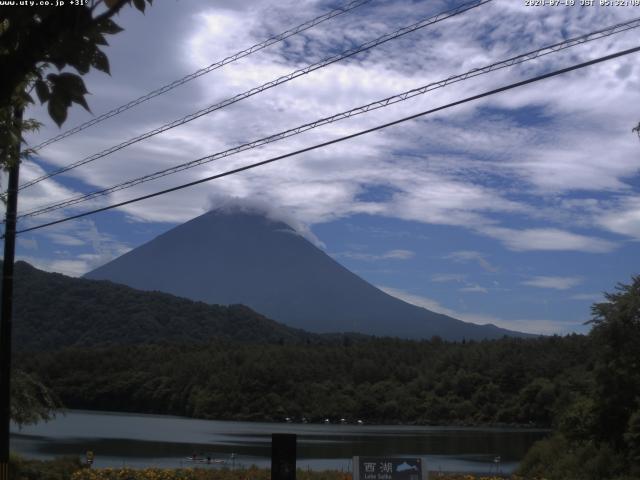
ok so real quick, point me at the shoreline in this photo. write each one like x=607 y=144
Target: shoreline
x=366 y=423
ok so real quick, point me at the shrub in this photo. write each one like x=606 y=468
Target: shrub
x=58 y=469
x=556 y=458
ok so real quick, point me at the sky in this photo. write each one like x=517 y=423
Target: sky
x=519 y=209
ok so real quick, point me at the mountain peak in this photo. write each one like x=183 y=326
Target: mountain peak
x=261 y=210
x=237 y=254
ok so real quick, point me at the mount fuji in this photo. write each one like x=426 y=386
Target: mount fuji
x=244 y=257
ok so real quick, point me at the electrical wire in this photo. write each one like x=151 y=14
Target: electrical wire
x=254 y=91
x=214 y=66
x=341 y=139
x=531 y=55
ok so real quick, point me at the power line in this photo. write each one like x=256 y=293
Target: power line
x=611 y=30
x=214 y=66
x=249 y=93
x=342 y=139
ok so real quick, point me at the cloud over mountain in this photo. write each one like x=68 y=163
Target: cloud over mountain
x=233 y=255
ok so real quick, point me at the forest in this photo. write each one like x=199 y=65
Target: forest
x=85 y=313
x=510 y=381
x=584 y=388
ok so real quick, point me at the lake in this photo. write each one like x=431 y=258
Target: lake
x=135 y=440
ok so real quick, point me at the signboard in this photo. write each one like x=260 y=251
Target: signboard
x=388 y=468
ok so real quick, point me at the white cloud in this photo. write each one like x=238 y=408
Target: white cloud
x=547 y=239
x=474 y=288
x=72 y=268
x=509 y=168
x=64 y=239
x=557 y=283
x=591 y=297
x=464 y=256
x=372 y=257
x=459 y=278
x=535 y=326
x=379 y=232
x=477 y=167
x=263 y=207
x=27 y=243
x=448 y=277
x=418 y=300
x=88 y=249
x=623 y=218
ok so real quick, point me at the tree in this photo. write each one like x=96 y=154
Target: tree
x=31 y=401
x=599 y=431
x=32 y=40
x=35 y=38
x=632 y=439
x=616 y=335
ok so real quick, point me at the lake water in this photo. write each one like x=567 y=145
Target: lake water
x=136 y=440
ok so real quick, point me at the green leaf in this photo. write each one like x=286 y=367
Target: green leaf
x=80 y=100
x=100 y=62
x=31 y=401
x=71 y=83
x=140 y=5
x=109 y=26
x=42 y=90
x=67 y=88
x=57 y=110
x=99 y=39
x=25 y=98
x=31 y=125
x=80 y=56
x=83 y=65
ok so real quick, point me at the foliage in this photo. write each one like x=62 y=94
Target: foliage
x=632 y=442
x=586 y=387
x=78 y=312
x=599 y=431
x=559 y=459
x=31 y=400
x=616 y=333
x=61 y=468
x=578 y=420
x=32 y=39
x=252 y=473
x=376 y=380
x=11 y=130
x=71 y=468
x=35 y=38
x=144 y=474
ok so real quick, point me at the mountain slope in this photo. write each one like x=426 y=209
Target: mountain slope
x=240 y=257
x=53 y=311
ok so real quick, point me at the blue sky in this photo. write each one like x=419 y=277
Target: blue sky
x=519 y=210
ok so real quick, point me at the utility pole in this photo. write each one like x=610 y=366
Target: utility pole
x=6 y=310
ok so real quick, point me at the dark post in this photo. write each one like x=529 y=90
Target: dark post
x=283 y=456
x=6 y=309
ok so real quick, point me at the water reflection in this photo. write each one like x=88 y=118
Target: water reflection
x=153 y=440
